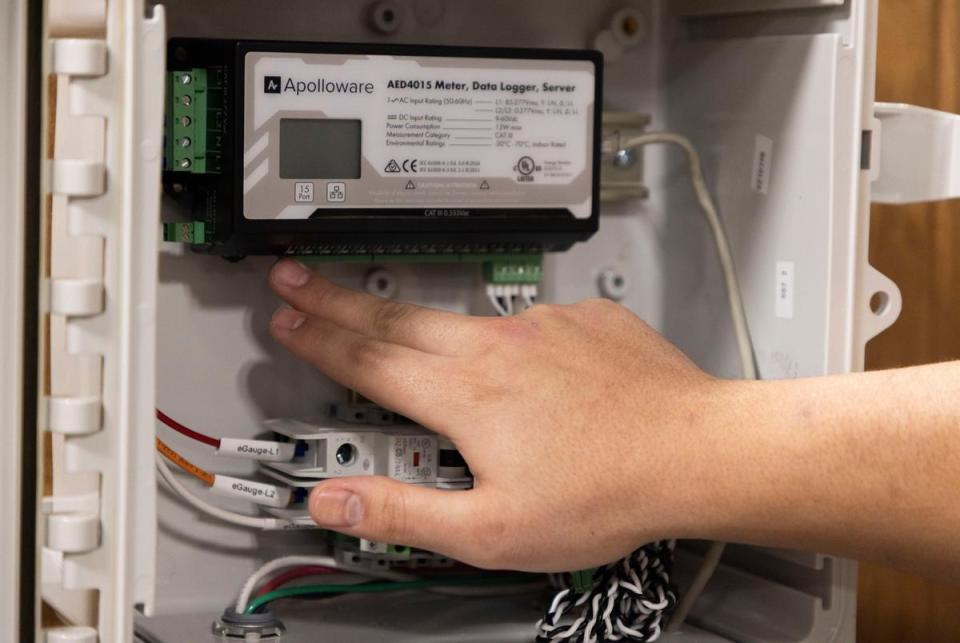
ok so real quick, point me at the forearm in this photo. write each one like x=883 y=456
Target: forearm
x=864 y=465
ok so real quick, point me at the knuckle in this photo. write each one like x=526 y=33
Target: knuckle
x=601 y=304
x=541 y=311
x=388 y=316
x=491 y=546
x=366 y=354
x=486 y=393
x=319 y=294
x=599 y=308
x=392 y=519
x=521 y=328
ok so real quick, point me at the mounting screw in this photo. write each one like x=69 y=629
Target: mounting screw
x=186 y=79
x=382 y=283
x=625 y=158
x=385 y=17
x=613 y=284
x=185 y=164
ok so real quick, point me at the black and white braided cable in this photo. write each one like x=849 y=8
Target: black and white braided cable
x=628 y=602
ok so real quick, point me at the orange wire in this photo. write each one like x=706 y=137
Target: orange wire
x=184 y=464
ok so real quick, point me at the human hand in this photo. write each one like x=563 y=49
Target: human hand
x=584 y=429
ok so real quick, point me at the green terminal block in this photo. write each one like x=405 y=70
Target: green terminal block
x=393 y=552
x=583 y=580
x=518 y=270
x=193 y=232
x=194 y=121
x=398 y=552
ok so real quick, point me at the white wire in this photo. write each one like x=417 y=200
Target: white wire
x=744 y=344
x=734 y=296
x=231 y=517
x=529 y=294
x=277 y=564
x=497 y=306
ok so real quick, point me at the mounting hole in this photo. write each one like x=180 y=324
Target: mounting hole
x=382 y=283
x=346 y=455
x=629 y=27
x=385 y=17
x=613 y=284
x=879 y=303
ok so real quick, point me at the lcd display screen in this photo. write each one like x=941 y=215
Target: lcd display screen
x=320 y=148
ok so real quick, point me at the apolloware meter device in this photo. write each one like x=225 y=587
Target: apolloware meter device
x=333 y=149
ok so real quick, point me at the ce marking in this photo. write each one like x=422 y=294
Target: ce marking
x=410 y=166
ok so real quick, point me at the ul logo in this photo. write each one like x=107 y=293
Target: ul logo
x=526 y=166
x=271 y=84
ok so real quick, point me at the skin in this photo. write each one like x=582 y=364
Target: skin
x=589 y=435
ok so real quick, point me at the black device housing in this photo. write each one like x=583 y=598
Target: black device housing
x=217 y=199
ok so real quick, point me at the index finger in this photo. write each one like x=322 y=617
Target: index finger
x=425 y=329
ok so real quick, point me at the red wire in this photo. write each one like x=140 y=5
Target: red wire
x=292 y=575
x=190 y=433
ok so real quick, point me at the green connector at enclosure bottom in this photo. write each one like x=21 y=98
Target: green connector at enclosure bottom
x=193 y=232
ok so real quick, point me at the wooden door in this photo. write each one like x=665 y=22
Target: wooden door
x=917 y=246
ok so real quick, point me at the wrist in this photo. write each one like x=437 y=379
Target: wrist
x=726 y=464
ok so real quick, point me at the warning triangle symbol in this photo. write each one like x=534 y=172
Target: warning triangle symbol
x=411 y=186
x=484 y=186
x=392 y=167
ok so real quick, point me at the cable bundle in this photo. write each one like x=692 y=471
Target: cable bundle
x=628 y=601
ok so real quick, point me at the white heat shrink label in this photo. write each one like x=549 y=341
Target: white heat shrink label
x=262 y=450
x=785 y=289
x=334 y=131
x=258 y=492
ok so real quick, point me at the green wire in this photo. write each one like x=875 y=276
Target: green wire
x=398 y=586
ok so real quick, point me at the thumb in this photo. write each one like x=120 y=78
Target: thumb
x=398 y=513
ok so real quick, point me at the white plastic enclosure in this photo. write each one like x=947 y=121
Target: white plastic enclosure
x=776 y=96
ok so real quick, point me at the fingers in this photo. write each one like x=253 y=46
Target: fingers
x=396 y=377
x=388 y=511
x=425 y=329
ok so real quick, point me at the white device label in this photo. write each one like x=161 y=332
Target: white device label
x=413 y=458
x=762 y=164
x=785 y=289
x=443 y=135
